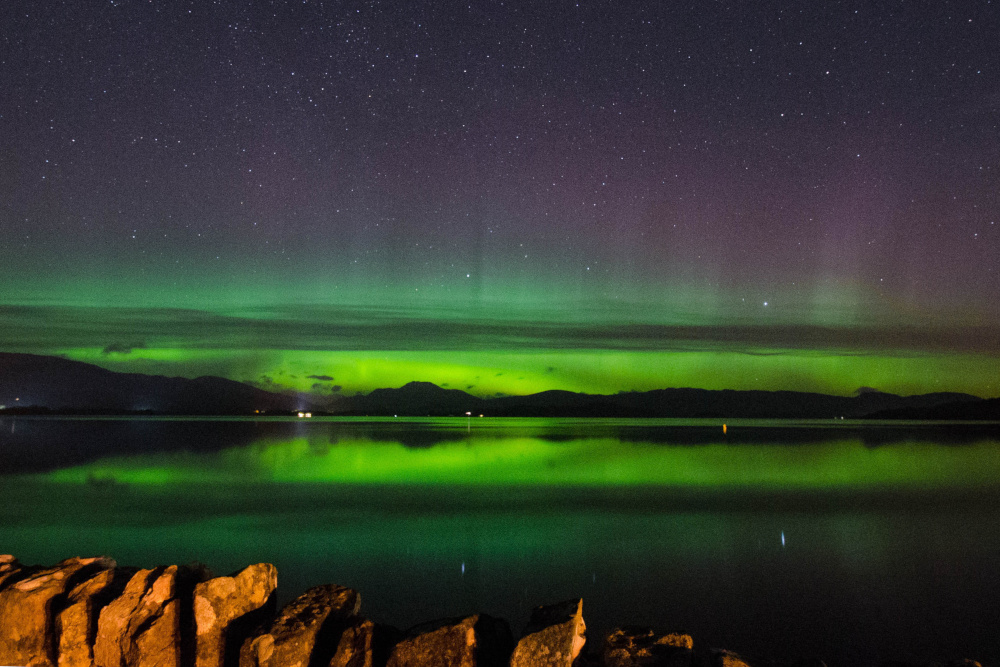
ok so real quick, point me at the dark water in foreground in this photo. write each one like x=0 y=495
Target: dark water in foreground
x=852 y=542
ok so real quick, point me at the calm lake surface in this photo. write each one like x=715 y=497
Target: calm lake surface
x=853 y=542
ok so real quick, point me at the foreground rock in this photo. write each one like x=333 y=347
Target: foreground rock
x=308 y=630
x=474 y=641
x=554 y=636
x=76 y=624
x=8 y=568
x=722 y=658
x=224 y=611
x=143 y=625
x=641 y=647
x=87 y=612
x=27 y=608
x=359 y=646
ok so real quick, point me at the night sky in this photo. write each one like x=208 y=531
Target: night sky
x=506 y=197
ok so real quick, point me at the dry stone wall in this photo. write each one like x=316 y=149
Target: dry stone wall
x=89 y=612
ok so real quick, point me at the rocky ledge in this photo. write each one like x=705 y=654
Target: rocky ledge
x=89 y=611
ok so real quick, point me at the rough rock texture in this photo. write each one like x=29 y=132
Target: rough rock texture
x=27 y=607
x=143 y=625
x=355 y=646
x=554 y=636
x=223 y=612
x=10 y=571
x=365 y=644
x=87 y=612
x=309 y=628
x=635 y=647
x=463 y=642
x=76 y=623
x=8 y=566
x=728 y=659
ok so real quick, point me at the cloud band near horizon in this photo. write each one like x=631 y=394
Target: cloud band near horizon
x=363 y=348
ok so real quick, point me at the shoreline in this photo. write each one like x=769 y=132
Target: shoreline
x=91 y=611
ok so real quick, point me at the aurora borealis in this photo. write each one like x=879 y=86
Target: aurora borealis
x=505 y=198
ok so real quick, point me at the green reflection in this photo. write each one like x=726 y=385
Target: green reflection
x=494 y=460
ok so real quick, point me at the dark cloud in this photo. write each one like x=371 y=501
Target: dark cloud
x=44 y=329
x=265 y=382
x=325 y=378
x=122 y=348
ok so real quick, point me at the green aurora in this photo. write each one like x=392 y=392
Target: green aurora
x=622 y=216
x=514 y=349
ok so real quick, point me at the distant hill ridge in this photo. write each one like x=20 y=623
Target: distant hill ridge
x=31 y=380
x=59 y=384
x=424 y=398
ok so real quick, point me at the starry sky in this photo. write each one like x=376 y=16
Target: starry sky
x=506 y=197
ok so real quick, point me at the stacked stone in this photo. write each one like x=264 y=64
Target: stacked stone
x=88 y=612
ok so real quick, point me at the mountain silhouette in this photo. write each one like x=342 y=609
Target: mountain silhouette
x=963 y=410
x=427 y=399
x=412 y=399
x=57 y=384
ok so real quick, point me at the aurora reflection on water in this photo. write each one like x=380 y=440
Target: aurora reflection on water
x=815 y=543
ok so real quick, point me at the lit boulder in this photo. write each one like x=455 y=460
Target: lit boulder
x=554 y=636
x=8 y=566
x=474 y=641
x=306 y=631
x=224 y=611
x=27 y=607
x=76 y=623
x=721 y=658
x=641 y=647
x=364 y=644
x=143 y=625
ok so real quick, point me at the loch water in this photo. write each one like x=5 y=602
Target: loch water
x=854 y=542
